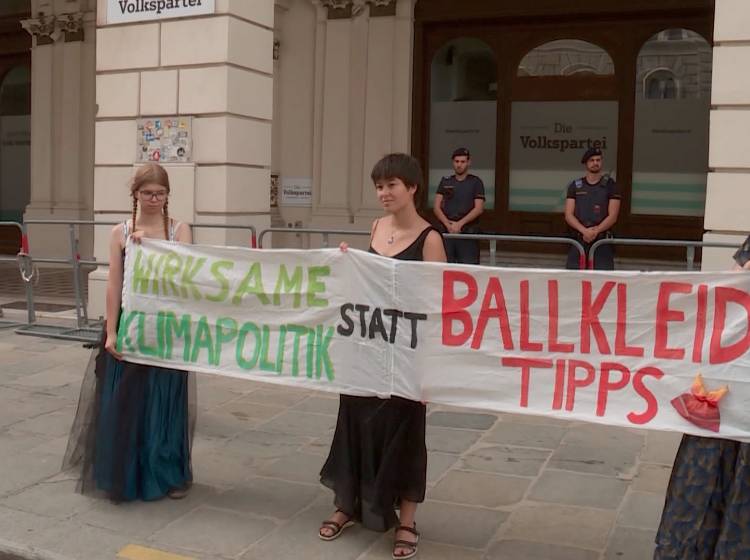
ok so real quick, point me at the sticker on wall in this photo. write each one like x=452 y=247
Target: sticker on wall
x=164 y=139
x=296 y=191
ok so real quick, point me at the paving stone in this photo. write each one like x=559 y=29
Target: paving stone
x=24 y=528
x=322 y=445
x=23 y=470
x=641 y=510
x=480 y=489
x=49 y=378
x=575 y=489
x=661 y=447
x=318 y=405
x=300 y=423
x=526 y=435
x=438 y=464
x=525 y=550
x=652 y=478
x=506 y=460
x=267 y=498
x=262 y=444
x=142 y=519
x=561 y=525
x=214 y=531
x=54 y=424
x=469 y=527
x=221 y=426
x=448 y=440
x=245 y=411
x=82 y=542
x=299 y=467
x=299 y=539
x=535 y=419
x=597 y=435
x=608 y=461
x=465 y=420
x=53 y=498
x=282 y=396
x=383 y=550
x=627 y=543
x=221 y=469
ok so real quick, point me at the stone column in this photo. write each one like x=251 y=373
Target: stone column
x=62 y=116
x=362 y=103
x=727 y=200
x=217 y=69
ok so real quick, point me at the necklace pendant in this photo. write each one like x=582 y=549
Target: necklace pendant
x=390 y=240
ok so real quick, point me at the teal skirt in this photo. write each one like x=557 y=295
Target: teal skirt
x=133 y=431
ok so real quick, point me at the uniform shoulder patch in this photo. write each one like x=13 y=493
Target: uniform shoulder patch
x=579 y=183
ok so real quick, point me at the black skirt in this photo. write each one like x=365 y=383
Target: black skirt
x=378 y=458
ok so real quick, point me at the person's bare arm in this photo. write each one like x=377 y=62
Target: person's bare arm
x=613 y=211
x=433 y=249
x=114 y=289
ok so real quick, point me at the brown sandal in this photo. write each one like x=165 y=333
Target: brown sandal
x=412 y=546
x=338 y=528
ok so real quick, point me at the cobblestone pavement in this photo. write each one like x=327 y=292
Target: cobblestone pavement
x=500 y=486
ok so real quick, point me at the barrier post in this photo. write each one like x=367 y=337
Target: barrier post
x=690 y=257
x=493 y=252
x=75 y=263
x=325 y=241
x=30 y=312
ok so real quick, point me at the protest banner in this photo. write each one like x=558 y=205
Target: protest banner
x=662 y=350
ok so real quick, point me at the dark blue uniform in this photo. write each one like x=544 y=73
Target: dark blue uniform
x=592 y=207
x=458 y=200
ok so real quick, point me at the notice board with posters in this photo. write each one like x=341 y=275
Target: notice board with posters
x=122 y=11
x=164 y=140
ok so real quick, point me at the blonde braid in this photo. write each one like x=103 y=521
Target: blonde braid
x=135 y=210
x=166 y=218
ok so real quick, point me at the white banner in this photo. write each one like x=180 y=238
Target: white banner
x=122 y=11
x=618 y=348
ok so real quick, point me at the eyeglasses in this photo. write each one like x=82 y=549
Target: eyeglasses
x=153 y=195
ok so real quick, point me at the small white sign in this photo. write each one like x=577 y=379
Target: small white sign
x=296 y=192
x=122 y=11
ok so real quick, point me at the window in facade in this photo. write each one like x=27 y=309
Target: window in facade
x=566 y=57
x=670 y=146
x=547 y=137
x=463 y=111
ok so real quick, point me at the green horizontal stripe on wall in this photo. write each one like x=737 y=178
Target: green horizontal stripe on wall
x=683 y=204
x=670 y=187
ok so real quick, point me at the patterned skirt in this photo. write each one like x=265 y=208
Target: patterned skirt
x=707 y=508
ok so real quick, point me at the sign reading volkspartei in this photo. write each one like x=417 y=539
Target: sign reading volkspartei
x=652 y=350
x=122 y=11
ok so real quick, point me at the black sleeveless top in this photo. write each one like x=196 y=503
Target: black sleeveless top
x=414 y=251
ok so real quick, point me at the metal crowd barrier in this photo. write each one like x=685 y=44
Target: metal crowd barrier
x=325 y=233
x=493 y=239
x=85 y=330
x=88 y=331
x=690 y=246
x=7 y=258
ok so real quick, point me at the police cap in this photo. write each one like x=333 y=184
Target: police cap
x=461 y=152
x=591 y=152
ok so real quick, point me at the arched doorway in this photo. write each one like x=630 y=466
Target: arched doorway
x=569 y=73
x=15 y=119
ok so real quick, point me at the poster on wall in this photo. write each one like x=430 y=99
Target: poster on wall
x=463 y=124
x=670 y=156
x=548 y=139
x=296 y=191
x=164 y=140
x=122 y=11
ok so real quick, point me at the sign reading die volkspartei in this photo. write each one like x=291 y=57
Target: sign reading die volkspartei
x=122 y=11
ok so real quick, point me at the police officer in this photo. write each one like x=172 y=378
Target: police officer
x=458 y=204
x=591 y=209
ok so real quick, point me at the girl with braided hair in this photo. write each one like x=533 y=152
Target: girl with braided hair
x=133 y=430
